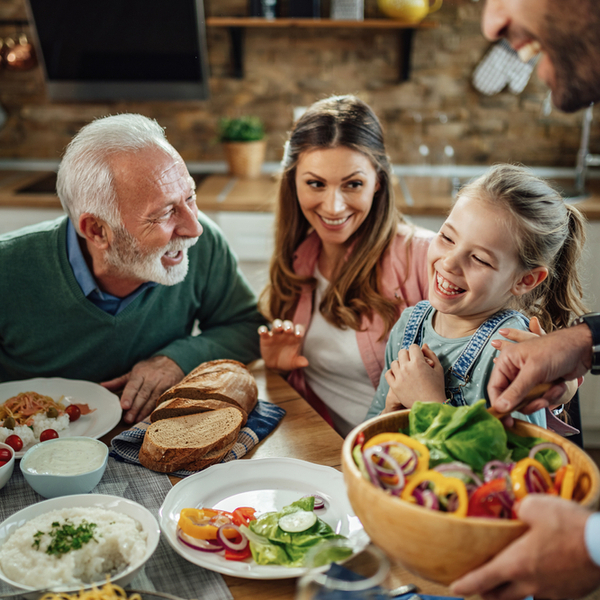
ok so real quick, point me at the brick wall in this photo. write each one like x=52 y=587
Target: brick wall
x=294 y=67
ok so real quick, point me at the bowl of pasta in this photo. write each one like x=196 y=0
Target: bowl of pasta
x=439 y=513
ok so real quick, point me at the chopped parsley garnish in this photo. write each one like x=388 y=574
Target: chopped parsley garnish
x=66 y=537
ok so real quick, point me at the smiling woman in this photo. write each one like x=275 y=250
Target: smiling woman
x=345 y=262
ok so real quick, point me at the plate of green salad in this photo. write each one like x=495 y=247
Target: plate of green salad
x=262 y=518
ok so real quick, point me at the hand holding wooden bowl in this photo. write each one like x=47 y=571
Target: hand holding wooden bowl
x=432 y=544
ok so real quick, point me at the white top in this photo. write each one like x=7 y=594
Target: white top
x=336 y=372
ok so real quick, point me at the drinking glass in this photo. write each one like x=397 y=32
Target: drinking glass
x=359 y=578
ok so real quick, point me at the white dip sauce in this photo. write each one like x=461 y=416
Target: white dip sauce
x=66 y=457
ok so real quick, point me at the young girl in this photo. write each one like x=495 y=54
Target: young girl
x=345 y=262
x=509 y=244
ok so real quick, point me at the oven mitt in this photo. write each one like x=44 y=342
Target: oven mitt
x=500 y=67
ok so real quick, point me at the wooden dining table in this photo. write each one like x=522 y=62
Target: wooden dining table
x=304 y=435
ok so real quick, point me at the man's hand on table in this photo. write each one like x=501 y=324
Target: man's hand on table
x=143 y=385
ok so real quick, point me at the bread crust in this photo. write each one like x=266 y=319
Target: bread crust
x=224 y=380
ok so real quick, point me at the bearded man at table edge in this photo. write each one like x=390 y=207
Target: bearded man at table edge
x=559 y=554
x=110 y=293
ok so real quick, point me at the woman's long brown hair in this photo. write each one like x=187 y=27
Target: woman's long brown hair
x=348 y=122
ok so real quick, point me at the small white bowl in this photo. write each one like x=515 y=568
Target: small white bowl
x=120 y=505
x=7 y=470
x=64 y=452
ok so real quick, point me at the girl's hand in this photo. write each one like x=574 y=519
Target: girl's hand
x=417 y=375
x=280 y=346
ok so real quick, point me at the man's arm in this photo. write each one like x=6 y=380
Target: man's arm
x=566 y=354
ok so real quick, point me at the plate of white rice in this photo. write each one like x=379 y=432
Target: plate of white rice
x=103 y=419
x=124 y=535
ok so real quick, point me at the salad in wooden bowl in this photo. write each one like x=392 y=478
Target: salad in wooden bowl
x=434 y=487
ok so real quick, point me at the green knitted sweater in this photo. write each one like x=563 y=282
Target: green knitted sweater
x=49 y=328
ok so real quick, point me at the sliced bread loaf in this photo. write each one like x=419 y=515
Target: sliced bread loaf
x=178 y=407
x=180 y=442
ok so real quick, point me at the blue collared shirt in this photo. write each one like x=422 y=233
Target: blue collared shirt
x=107 y=302
x=592 y=537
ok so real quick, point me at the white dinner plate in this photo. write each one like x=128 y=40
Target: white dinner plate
x=266 y=484
x=94 y=425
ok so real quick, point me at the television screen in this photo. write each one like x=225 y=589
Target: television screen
x=122 y=49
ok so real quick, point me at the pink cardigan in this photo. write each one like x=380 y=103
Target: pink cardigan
x=395 y=282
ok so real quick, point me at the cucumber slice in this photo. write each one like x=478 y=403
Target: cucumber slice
x=298 y=521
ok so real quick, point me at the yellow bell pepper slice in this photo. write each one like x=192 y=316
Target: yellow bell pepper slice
x=517 y=476
x=442 y=486
x=203 y=523
x=564 y=481
x=421 y=450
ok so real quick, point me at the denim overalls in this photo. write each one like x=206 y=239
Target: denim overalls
x=459 y=374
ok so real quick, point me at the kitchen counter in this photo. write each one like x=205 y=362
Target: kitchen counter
x=424 y=196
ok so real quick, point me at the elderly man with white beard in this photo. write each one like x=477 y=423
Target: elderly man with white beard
x=111 y=292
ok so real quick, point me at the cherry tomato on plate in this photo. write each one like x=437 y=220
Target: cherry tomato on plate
x=5 y=455
x=3 y=462
x=15 y=442
x=73 y=411
x=48 y=434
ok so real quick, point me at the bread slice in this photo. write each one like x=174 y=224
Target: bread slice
x=210 y=458
x=178 y=407
x=180 y=442
x=225 y=380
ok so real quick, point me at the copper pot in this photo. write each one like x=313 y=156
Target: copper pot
x=20 y=56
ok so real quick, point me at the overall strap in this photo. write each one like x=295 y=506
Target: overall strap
x=465 y=362
x=413 y=333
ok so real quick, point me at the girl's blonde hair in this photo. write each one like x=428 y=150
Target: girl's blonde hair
x=550 y=233
x=348 y=122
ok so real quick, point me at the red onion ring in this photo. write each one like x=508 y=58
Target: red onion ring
x=197 y=544
x=378 y=452
x=550 y=446
x=459 y=469
x=495 y=469
x=319 y=501
x=226 y=543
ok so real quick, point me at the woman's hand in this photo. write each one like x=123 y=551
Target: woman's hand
x=518 y=335
x=417 y=375
x=280 y=346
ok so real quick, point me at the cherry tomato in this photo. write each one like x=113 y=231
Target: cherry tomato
x=73 y=411
x=15 y=442
x=48 y=434
x=3 y=462
x=5 y=454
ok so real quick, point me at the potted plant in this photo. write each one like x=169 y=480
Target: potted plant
x=244 y=142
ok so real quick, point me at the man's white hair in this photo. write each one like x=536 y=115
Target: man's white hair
x=85 y=178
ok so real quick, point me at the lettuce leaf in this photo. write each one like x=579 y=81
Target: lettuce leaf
x=468 y=434
x=279 y=547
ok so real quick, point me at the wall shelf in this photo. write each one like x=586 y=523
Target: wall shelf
x=237 y=25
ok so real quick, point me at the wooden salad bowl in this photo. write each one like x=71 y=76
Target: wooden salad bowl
x=436 y=545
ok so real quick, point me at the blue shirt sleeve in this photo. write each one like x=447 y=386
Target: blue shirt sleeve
x=592 y=537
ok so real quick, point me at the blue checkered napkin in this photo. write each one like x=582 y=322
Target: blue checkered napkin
x=261 y=421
